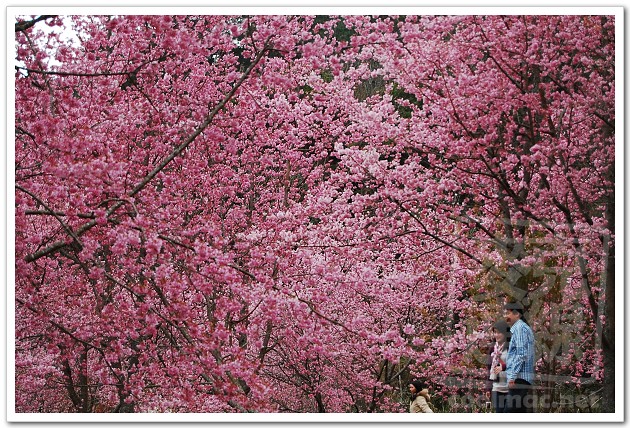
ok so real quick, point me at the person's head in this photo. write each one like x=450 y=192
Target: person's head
x=416 y=386
x=501 y=331
x=513 y=312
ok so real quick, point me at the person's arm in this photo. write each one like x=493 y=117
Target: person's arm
x=489 y=379
x=415 y=406
x=424 y=405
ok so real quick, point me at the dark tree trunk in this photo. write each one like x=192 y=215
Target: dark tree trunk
x=608 y=333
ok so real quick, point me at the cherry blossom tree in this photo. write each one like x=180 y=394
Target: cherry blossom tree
x=516 y=117
x=299 y=213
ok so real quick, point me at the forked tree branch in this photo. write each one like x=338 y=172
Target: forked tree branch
x=56 y=246
x=25 y=25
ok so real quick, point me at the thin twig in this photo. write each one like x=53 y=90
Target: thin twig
x=72 y=73
x=67 y=228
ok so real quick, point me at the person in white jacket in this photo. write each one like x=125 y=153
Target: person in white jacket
x=419 y=398
x=498 y=365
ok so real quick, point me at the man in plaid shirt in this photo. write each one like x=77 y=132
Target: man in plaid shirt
x=520 y=361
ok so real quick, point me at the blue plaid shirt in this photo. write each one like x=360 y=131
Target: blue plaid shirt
x=520 y=358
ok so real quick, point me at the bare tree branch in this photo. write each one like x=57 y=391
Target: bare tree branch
x=25 y=25
x=73 y=73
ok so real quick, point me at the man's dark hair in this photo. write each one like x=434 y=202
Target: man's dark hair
x=518 y=307
x=514 y=306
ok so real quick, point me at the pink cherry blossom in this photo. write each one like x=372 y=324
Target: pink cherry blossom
x=301 y=213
